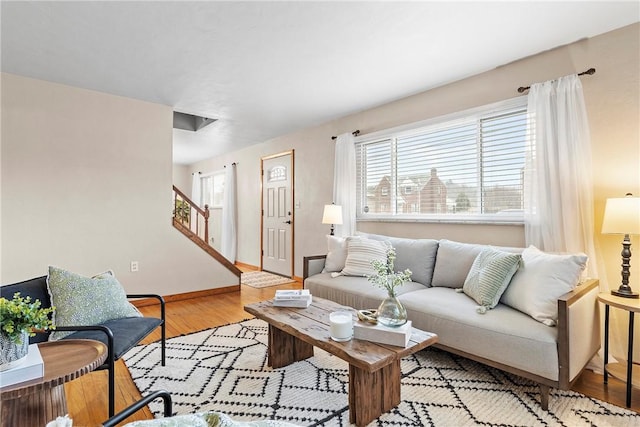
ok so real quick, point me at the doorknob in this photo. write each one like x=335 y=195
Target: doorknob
x=287 y=222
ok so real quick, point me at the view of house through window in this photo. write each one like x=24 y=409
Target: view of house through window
x=212 y=187
x=466 y=168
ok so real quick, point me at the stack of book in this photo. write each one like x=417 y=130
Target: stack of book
x=378 y=333
x=292 y=298
x=32 y=368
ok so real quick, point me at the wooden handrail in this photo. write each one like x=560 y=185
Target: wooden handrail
x=179 y=195
x=184 y=223
x=189 y=201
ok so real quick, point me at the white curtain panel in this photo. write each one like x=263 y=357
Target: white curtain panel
x=229 y=247
x=344 y=183
x=558 y=183
x=558 y=179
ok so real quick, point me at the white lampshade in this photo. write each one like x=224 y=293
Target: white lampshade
x=332 y=214
x=622 y=216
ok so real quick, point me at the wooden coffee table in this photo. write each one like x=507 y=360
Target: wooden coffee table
x=374 y=369
x=38 y=401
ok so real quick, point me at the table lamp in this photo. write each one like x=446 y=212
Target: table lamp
x=622 y=216
x=332 y=215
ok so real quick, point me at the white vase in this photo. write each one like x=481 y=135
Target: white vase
x=12 y=354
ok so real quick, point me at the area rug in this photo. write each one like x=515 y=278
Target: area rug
x=225 y=369
x=262 y=279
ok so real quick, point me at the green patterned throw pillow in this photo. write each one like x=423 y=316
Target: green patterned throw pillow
x=84 y=301
x=489 y=276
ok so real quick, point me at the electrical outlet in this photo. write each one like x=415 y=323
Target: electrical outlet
x=134 y=266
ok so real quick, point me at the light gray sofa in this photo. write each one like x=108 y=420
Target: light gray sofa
x=504 y=337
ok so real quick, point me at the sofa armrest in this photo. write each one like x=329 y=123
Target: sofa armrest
x=312 y=265
x=578 y=330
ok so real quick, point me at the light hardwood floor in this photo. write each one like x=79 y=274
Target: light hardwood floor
x=87 y=395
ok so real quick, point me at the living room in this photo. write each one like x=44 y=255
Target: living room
x=87 y=175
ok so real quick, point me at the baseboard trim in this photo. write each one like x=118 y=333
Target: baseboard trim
x=256 y=268
x=187 y=295
x=247 y=266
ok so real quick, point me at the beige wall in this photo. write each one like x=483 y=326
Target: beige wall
x=86 y=185
x=611 y=95
x=182 y=178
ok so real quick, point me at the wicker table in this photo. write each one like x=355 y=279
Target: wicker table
x=36 y=402
x=374 y=369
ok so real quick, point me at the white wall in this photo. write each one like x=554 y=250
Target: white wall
x=611 y=94
x=86 y=185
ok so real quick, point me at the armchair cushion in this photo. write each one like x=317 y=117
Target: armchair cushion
x=127 y=333
x=85 y=301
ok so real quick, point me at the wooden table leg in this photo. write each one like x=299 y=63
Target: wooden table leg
x=372 y=393
x=284 y=349
x=34 y=409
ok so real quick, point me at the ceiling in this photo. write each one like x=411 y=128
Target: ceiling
x=265 y=69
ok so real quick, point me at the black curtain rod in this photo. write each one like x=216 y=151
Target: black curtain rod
x=199 y=173
x=590 y=71
x=354 y=133
x=232 y=164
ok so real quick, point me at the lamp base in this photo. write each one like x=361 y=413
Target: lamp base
x=625 y=293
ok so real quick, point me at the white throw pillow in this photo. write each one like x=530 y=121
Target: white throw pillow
x=360 y=253
x=336 y=254
x=541 y=279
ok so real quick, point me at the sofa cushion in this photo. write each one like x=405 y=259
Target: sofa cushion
x=503 y=335
x=417 y=255
x=356 y=292
x=541 y=279
x=84 y=301
x=336 y=254
x=360 y=253
x=454 y=260
x=453 y=263
x=489 y=276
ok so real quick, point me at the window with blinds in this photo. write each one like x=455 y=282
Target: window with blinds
x=467 y=168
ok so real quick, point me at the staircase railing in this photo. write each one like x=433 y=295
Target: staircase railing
x=193 y=221
x=190 y=215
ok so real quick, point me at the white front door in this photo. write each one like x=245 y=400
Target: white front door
x=277 y=214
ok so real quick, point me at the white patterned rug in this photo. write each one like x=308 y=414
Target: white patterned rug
x=225 y=369
x=262 y=279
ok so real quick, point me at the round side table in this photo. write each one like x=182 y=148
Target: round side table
x=38 y=401
x=621 y=371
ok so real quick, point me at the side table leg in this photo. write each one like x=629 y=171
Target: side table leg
x=35 y=409
x=630 y=359
x=606 y=342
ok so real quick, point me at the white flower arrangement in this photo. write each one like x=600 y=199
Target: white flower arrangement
x=385 y=277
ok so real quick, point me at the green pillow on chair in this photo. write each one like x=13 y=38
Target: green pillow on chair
x=86 y=301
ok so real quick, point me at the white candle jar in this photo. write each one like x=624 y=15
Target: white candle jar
x=341 y=325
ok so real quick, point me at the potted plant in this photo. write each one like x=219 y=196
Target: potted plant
x=19 y=319
x=390 y=312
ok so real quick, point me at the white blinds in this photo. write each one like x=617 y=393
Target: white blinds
x=471 y=166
